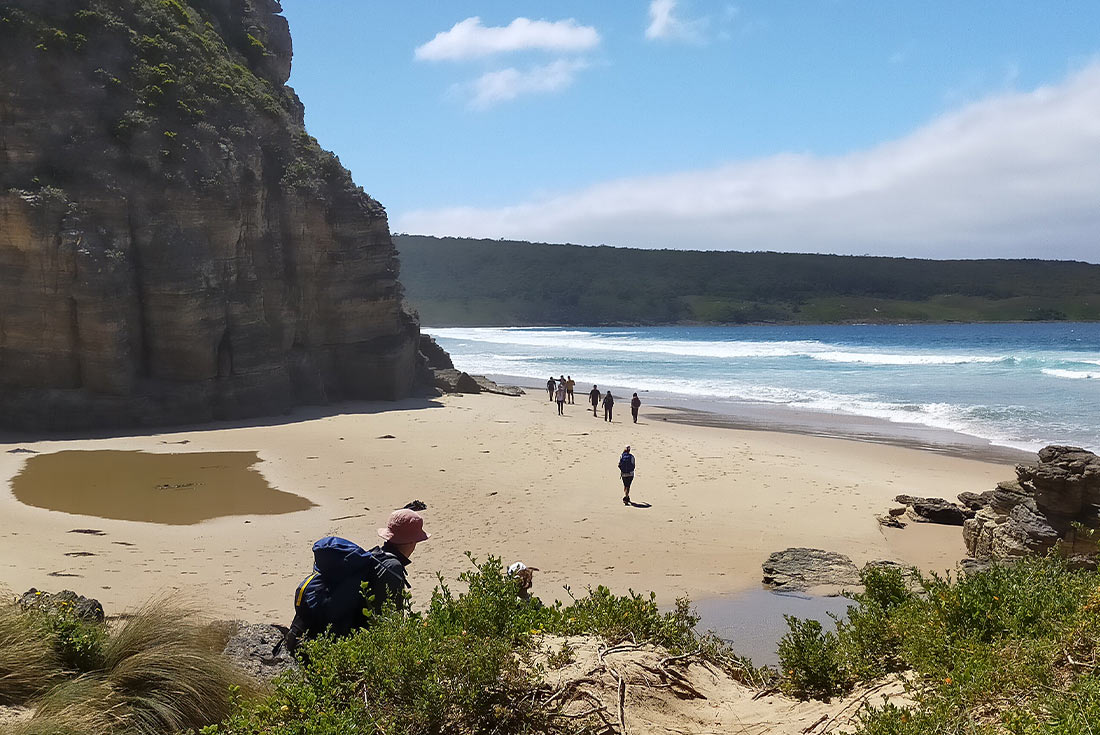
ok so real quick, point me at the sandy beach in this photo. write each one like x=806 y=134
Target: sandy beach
x=503 y=476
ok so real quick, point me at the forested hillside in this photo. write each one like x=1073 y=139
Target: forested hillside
x=454 y=281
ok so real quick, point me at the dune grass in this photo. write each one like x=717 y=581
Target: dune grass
x=159 y=671
x=28 y=662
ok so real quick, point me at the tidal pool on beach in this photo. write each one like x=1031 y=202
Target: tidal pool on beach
x=752 y=621
x=175 y=489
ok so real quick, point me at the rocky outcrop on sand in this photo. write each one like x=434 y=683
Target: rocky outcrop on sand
x=174 y=247
x=1052 y=504
x=934 y=510
x=457 y=381
x=799 y=568
x=84 y=608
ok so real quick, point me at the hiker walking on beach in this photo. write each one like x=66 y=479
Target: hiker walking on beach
x=626 y=471
x=608 y=406
x=332 y=598
x=635 y=403
x=594 y=398
x=559 y=396
x=550 y=387
x=569 y=385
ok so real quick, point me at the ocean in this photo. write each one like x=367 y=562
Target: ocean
x=1015 y=386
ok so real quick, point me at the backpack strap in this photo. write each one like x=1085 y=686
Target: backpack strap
x=299 y=594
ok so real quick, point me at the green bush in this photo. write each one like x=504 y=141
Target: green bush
x=464 y=665
x=810 y=661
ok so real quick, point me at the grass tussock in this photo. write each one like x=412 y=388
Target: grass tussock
x=1015 y=649
x=159 y=671
x=28 y=662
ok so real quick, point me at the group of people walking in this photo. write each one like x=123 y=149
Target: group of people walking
x=561 y=392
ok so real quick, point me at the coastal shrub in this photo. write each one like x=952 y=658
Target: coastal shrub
x=633 y=616
x=463 y=665
x=868 y=638
x=1008 y=650
x=810 y=661
x=29 y=664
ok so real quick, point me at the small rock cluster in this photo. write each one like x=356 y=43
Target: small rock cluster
x=82 y=607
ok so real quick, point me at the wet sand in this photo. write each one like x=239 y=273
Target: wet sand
x=500 y=475
x=177 y=489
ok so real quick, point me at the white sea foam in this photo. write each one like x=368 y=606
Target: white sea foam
x=925 y=383
x=1072 y=374
x=560 y=341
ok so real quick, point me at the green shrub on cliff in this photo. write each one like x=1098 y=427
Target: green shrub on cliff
x=463 y=665
x=1013 y=649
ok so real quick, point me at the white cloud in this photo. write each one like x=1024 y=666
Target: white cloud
x=665 y=24
x=507 y=84
x=470 y=39
x=1013 y=175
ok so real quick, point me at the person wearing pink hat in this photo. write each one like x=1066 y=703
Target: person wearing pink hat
x=403 y=531
x=331 y=598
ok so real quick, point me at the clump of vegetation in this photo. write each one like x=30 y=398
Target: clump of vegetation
x=1013 y=649
x=464 y=665
x=161 y=670
x=28 y=662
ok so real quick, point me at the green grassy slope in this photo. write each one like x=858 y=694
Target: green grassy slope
x=453 y=281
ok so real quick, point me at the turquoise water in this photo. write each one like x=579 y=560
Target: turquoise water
x=1013 y=385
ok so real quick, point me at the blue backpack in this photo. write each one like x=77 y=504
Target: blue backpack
x=626 y=463
x=332 y=597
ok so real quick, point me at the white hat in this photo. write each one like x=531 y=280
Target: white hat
x=519 y=567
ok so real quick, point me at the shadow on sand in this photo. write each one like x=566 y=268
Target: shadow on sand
x=294 y=416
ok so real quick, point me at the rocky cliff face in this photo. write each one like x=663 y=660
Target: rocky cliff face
x=174 y=247
x=1052 y=504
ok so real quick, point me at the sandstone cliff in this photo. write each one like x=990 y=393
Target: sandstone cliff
x=174 y=247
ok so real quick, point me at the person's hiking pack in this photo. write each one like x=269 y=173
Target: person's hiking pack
x=332 y=597
x=626 y=463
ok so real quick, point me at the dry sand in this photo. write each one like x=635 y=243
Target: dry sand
x=503 y=476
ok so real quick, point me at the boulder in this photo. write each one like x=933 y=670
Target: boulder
x=259 y=650
x=455 y=381
x=488 y=386
x=800 y=568
x=935 y=510
x=84 y=608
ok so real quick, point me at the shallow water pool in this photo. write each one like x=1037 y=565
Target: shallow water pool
x=175 y=489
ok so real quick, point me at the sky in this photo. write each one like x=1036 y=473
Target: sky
x=936 y=128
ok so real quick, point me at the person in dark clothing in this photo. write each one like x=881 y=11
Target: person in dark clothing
x=635 y=403
x=403 y=531
x=332 y=598
x=608 y=406
x=550 y=385
x=569 y=385
x=626 y=471
x=594 y=399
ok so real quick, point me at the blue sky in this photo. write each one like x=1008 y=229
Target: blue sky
x=931 y=129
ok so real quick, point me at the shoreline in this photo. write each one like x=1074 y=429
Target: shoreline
x=501 y=476
x=791 y=420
